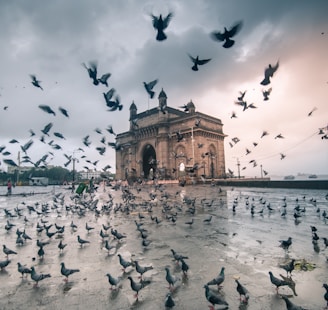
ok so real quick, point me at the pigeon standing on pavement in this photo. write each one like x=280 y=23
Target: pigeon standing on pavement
x=277 y=282
x=219 y=279
x=290 y=305
x=8 y=251
x=214 y=299
x=285 y=244
x=325 y=296
x=169 y=302
x=37 y=277
x=82 y=241
x=23 y=270
x=67 y=272
x=113 y=281
x=243 y=292
x=136 y=287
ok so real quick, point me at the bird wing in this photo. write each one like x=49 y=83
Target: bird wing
x=217 y=36
x=167 y=20
x=194 y=60
x=203 y=61
x=104 y=77
x=235 y=29
x=151 y=84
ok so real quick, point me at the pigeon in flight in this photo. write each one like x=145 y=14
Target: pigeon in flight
x=149 y=88
x=47 y=109
x=104 y=78
x=46 y=129
x=242 y=95
x=108 y=96
x=10 y=162
x=310 y=113
x=114 y=105
x=35 y=82
x=269 y=72
x=92 y=70
x=198 y=62
x=227 y=34
x=266 y=94
x=63 y=111
x=160 y=25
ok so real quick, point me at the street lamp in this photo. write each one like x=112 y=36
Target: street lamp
x=73 y=174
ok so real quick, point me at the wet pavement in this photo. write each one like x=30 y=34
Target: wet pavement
x=246 y=244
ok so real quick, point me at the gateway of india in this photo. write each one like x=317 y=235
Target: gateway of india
x=167 y=143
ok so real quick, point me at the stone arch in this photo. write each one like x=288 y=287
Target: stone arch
x=149 y=161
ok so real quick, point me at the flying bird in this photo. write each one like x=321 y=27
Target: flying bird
x=198 y=62
x=92 y=70
x=264 y=133
x=310 y=113
x=114 y=105
x=227 y=34
x=63 y=111
x=268 y=73
x=35 y=82
x=160 y=25
x=279 y=136
x=10 y=162
x=47 y=109
x=108 y=96
x=149 y=88
x=104 y=78
x=266 y=94
x=242 y=95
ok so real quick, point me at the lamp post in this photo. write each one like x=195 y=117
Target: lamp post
x=73 y=173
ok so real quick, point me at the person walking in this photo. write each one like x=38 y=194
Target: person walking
x=9 y=187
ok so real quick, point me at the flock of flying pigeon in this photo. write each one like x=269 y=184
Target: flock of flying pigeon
x=112 y=103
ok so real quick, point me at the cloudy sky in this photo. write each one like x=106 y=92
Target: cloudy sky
x=51 y=39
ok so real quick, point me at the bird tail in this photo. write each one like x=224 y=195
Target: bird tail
x=151 y=94
x=228 y=43
x=194 y=67
x=265 y=81
x=161 y=36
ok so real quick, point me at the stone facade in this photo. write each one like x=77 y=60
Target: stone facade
x=167 y=143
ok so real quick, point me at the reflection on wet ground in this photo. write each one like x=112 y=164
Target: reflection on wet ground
x=236 y=228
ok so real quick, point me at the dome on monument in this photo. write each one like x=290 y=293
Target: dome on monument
x=162 y=94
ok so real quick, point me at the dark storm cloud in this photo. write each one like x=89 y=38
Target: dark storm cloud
x=52 y=39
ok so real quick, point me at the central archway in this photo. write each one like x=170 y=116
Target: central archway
x=149 y=162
